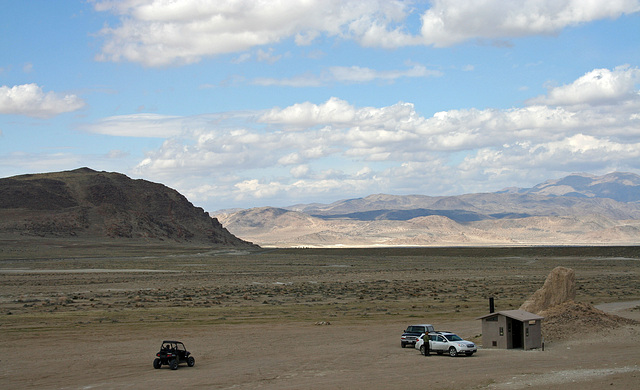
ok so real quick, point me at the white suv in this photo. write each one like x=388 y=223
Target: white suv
x=441 y=342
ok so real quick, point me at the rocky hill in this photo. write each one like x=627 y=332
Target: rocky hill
x=579 y=209
x=84 y=203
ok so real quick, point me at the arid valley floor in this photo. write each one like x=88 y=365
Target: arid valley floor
x=79 y=315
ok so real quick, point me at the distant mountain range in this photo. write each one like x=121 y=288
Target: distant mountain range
x=620 y=186
x=577 y=209
x=86 y=204
x=91 y=205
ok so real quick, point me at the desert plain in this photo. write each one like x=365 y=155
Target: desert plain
x=92 y=315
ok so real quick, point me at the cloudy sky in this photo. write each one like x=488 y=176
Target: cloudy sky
x=252 y=103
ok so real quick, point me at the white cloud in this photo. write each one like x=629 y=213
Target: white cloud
x=267 y=56
x=158 y=33
x=290 y=159
x=299 y=81
x=30 y=100
x=360 y=75
x=449 y=22
x=332 y=148
x=300 y=171
x=257 y=190
x=308 y=114
x=596 y=87
x=569 y=154
x=299 y=189
x=348 y=74
x=138 y=125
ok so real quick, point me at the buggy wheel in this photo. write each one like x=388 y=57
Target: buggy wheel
x=157 y=363
x=453 y=352
x=173 y=364
x=191 y=361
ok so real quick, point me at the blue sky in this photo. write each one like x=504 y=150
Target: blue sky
x=274 y=103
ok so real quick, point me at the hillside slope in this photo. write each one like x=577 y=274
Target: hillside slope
x=84 y=203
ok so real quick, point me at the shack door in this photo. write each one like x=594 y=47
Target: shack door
x=517 y=336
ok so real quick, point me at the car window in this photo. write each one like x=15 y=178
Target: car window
x=440 y=338
x=454 y=337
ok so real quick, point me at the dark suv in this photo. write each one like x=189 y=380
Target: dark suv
x=173 y=353
x=412 y=333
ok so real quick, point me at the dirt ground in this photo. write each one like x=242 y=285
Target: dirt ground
x=93 y=318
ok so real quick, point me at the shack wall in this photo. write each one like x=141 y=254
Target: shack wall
x=494 y=332
x=533 y=334
x=497 y=332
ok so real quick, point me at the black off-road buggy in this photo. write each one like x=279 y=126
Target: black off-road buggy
x=171 y=354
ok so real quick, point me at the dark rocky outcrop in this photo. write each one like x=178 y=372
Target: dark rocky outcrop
x=85 y=203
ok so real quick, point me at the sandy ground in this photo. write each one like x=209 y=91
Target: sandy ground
x=301 y=356
x=78 y=324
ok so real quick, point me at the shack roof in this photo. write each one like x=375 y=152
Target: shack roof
x=519 y=315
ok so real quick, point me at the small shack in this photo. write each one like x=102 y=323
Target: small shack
x=511 y=329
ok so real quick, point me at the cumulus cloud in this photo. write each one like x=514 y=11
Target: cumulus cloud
x=335 y=147
x=158 y=33
x=258 y=190
x=574 y=153
x=31 y=100
x=449 y=22
x=308 y=114
x=596 y=87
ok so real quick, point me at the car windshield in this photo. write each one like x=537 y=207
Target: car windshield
x=453 y=337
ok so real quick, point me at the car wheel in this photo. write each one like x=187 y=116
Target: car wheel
x=191 y=361
x=422 y=349
x=173 y=364
x=403 y=344
x=469 y=353
x=157 y=363
x=453 y=352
